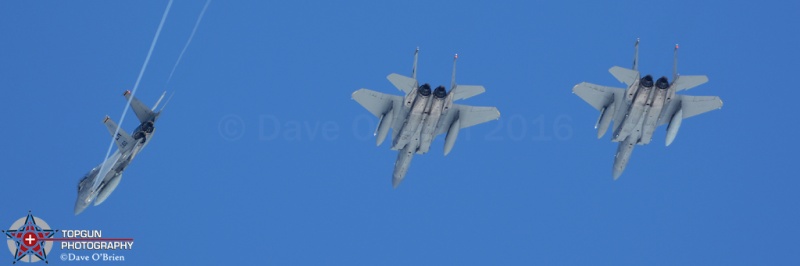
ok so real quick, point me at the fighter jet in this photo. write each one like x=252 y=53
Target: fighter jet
x=98 y=184
x=422 y=114
x=643 y=106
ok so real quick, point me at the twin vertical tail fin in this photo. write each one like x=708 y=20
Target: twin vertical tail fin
x=461 y=92
x=684 y=82
x=406 y=84
x=628 y=76
x=142 y=111
x=675 y=63
x=636 y=55
x=453 y=81
x=414 y=69
x=121 y=138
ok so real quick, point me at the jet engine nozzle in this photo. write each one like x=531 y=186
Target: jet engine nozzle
x=425 y=90
x=148 y=127
x=662 y=83
x=440 y=92
x=647 y=81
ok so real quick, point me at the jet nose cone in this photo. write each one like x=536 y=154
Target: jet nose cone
x=396 y=181
x=79 y=209
x=617 y=172
x=80 y=205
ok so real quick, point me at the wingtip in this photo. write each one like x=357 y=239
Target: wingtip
x=106 y=119
x=576 y=86
x=126 y=93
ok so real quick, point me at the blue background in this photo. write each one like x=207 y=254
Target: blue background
x=262 y=157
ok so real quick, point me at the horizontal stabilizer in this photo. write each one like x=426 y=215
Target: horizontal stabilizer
x=695 y=105
x=624 y=75
x=596 y=95
x=375 y=102
x=123 y=140
x=467 y=91
x=467 y=116
x=473 y=115
x=403 y=83
x=688 y=82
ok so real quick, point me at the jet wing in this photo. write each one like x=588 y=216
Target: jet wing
x=375 y=102
x=596 y=95
x=469 y=116
x=691 y=105
x=123 y=139
x=695 y=105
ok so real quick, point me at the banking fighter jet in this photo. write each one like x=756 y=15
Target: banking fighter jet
x=98 y=184
x=422 y=114
x=643 y=106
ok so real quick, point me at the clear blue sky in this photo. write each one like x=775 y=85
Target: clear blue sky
x=261 y=157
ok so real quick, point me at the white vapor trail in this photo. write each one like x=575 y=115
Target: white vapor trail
x=101 y=174
x=196 y=24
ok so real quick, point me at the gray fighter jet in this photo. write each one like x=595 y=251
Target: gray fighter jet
x=643 y=106
x=98 y=184
x=422 y=114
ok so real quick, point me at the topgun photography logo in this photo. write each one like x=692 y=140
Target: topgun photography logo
x=30 y=239
x=26 y=239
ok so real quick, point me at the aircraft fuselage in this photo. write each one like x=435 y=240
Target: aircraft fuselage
x=414 y=117
x=112 y=170
x=641 y=119
x=419 y=129
x=643 y=112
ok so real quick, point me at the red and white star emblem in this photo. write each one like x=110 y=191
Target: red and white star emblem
x=29 y=239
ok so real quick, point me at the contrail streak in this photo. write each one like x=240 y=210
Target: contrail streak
x=196 y=24
x=102 y=173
